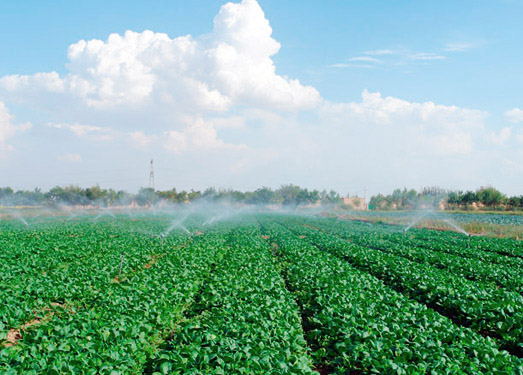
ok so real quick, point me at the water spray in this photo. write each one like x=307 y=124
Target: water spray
x=417 y=220
x=469 y=241
x=458 y=228
x=161 y=239
x=18 y=216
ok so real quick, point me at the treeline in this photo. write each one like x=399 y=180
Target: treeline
x=484 y=198
x=287 y=195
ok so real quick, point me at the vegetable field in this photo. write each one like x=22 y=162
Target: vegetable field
x=255 y=294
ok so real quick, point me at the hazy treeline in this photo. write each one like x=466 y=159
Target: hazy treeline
x=74 y=195
x=484 y=198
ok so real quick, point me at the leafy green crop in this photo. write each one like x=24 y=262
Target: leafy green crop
x=482 y=307
x=255 y=294
x=244 y=321
x=356 y=322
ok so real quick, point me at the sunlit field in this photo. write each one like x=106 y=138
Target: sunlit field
x=490 y=224
x=243 y=291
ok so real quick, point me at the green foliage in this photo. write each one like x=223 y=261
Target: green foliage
x=146 y=196
x=355 y=323
x=244 y=320
x=265 y=294
x=482 y=306
x=489 y=197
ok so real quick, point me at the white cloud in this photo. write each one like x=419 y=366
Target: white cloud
x=233 y=122
x=426 y=56
x=458 y=46
x=39 y=82
x=422 y=128
x=80 y=130
x=501 y=137
x=7 y=128
x=345 y=65
x=141 y=140
x=215 y=104
x=388 y=57
x=514 y=115
x=198 y=135
x=70 y=158
x=364 y=59
x=137 y=138
x=231 y=66
x=380 y=52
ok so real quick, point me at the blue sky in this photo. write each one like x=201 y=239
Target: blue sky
x=462 y=55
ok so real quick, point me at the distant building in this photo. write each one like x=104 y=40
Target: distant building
x=356 y=203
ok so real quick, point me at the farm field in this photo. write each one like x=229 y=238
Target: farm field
x=255 y=293
x=492 y=224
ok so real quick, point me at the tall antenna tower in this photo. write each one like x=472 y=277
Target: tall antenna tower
x=151 y=175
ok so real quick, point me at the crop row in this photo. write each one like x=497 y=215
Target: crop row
x=244 y=321
x=491 y=311
x=486 y=218
x=506 y=276
x=63 y=266
x=112 y=326
x=495 y=250
x=357 y=324
x=495 y=246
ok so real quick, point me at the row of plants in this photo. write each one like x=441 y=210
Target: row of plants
x=496 y=246
x=489 y=250
x=405 y=217
x=244 y=320
x=496 y=250
x=509 y=276
x=356 y=324
x=496 y=312
x=58 y=265
x=106 y=324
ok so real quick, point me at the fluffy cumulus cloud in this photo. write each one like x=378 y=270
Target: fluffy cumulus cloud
x=7 y=128
x=231 y=66
x=86 y=131
x=121 y=81
x=140 y=139
x=422 y=127
x=501 y=137
x=197 y=135
x=515 y=115
x=217 y=100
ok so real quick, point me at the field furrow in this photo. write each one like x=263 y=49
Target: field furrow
x=494 y=312
x=359 y=325
x=244 y=321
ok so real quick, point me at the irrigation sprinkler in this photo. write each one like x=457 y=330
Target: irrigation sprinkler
x=469 y=241
x=121 y=263
x=161 y=239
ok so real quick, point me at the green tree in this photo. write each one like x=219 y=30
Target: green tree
x=489 y=196
x=146 y=196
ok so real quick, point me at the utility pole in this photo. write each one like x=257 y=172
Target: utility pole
x=151 y=175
